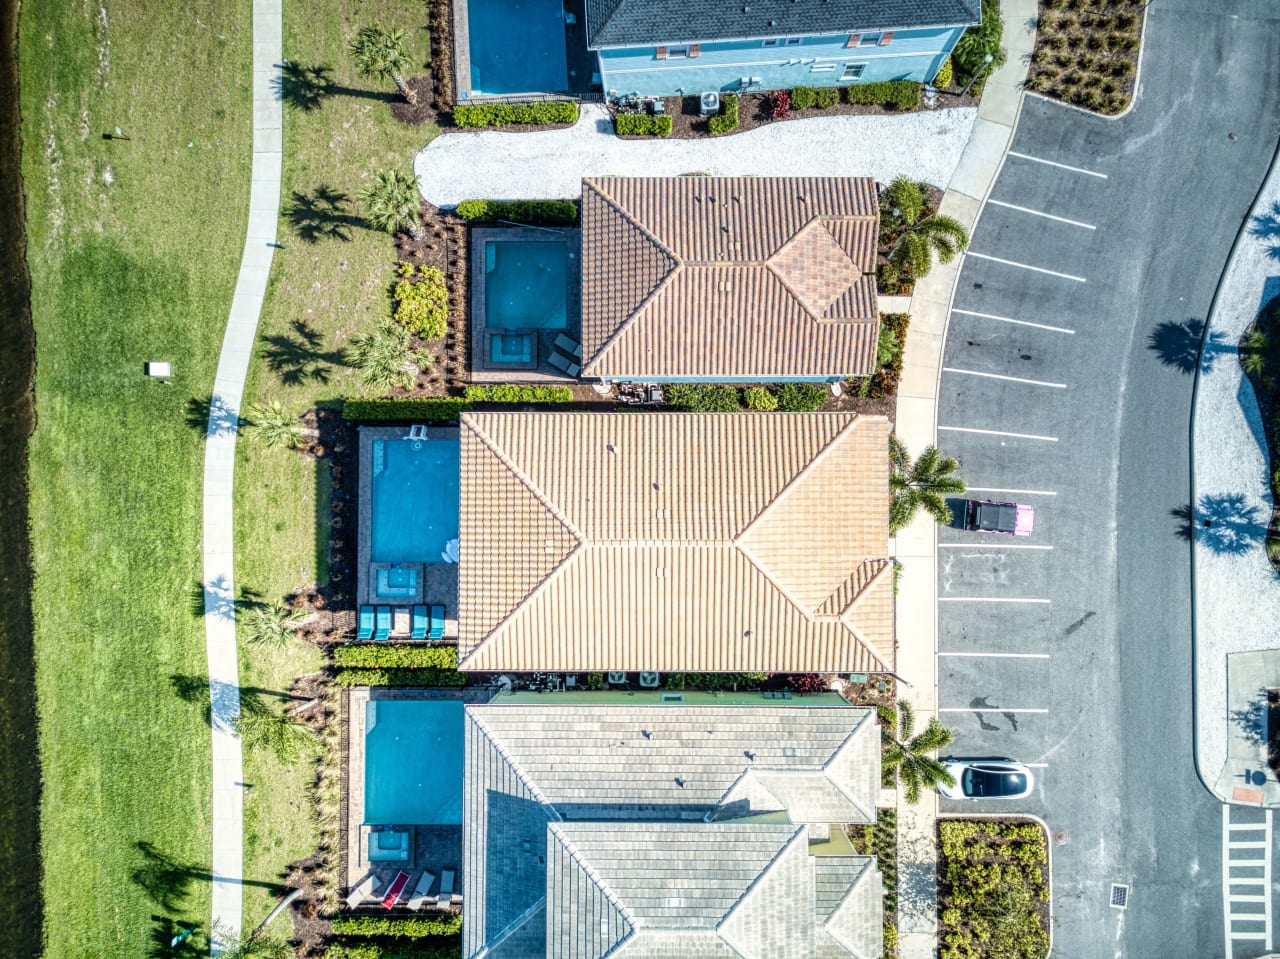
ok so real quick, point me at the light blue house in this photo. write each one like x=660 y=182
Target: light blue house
x=680 y=47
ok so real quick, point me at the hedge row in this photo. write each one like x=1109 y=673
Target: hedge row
x=446 y=949
x=400 y=677
x=894 y=94
x=421 y=411
x=415 y=926
x=806 y=98
x=641 y=125
x=382 y=656
x=518 y=394
x=501 y=114
x=787 y=397
x=726 y=121
x=518 y=211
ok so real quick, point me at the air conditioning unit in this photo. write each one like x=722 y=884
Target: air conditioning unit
x=617 y=678
x=649 y=680
x=709 y=104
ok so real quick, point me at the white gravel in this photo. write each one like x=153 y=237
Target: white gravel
x=551 y=164
x=1237 y=596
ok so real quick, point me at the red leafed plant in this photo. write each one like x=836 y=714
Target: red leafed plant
x=781 y=102
x=806 y=683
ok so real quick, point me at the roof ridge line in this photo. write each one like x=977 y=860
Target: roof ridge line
x=513 y=928
x=791 y=241
x=826 y=767
x=863 y=642
x=525 y=779
x=861 y=594
x=808 y=615
x=593 y=874
x=868 y=866
x=799 y=833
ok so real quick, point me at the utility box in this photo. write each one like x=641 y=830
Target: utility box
x=709 y=104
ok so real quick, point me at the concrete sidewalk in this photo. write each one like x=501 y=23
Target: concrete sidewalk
x=916 y=546
x=1237 y=596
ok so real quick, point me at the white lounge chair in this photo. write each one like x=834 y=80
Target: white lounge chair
x=446 y=889
x=420 y=891
x=417 y=431
x=362 y=891
x=563 y=364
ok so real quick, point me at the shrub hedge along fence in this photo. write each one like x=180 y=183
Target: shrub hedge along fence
x=398 y=926
x=441 y=410
x=641 y=125
x=382 y=656
x=503 y=114
x=519 y=211
x=894 y=94
x=518 y=394
x=726 y=121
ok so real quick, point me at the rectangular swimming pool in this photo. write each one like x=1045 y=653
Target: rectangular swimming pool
x=414 y=512
x=526 y=284
x=413 y=762
x=517 y=46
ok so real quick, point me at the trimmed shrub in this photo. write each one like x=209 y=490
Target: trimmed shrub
x=804 y=98
x=422 y=301
x=641 y=125
x=502 y=114
x=726 y=121
x=892 y=94
x=760 y=399
x=382 y=656
x=415 y=926
x=715 y=682
x=518 y=394
x=448 y=948
x=399 y=677
x=519 y=211
x=801 y=397
x=392 y=411
x=976 y=43
x=780 y=104
x=698 y=398
x=944 y=77
x=805 y=683
x=826 y=97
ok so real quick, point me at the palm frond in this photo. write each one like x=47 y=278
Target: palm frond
x=935 y=736
x=935 y=506
x=906 y=720
x=901 y=510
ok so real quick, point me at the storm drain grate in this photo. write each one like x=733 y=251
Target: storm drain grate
x=1119 y=896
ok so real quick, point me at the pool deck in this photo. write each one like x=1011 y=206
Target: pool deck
x=435 y=847
x=482 y=371
x=437 y=582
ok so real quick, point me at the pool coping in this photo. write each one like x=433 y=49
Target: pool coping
x=462 y=65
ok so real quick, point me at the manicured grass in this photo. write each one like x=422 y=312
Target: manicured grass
x=134 y=247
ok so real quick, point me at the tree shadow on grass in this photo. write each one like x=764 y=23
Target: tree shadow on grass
x=216 y=597
x=165 y=930
x=1223 y=523
x=1266 y=226
x=322 y=214
x=196 y=691
x=1179 y=345
x=299 y=357
x=213 y=415
x=168 y=881
x=305 y=87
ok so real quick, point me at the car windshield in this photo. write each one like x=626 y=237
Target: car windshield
x=982 y=782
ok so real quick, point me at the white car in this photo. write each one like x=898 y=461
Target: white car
x=987 y=779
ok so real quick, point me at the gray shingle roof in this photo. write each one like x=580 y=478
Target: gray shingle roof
x=613 y=23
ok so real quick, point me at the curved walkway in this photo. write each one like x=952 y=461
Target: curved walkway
x=219 y=469
x=551 y=164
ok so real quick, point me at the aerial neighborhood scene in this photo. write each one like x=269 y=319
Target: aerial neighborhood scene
x=640 y=479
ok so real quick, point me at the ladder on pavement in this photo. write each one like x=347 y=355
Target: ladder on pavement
x=1246 y=880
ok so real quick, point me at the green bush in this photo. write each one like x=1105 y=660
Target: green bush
x=760 y=399
x=699 y=398
x=971 y=50
x=887 y=347
x=519 y=211
x=394 y=411
x=944 y=77
x=399 y=677
x=518 y=394
x=893 y=94
x=803 y=98
x=384 y=656
x=422 y=301
x=445 y=948
x=401 y=926
x=641 y=125
x=715 y=682
x=726 y=121
x=827 y=97
x=801 y=397
x=502 y=114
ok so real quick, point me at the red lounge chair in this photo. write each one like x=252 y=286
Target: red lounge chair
x=397 y=887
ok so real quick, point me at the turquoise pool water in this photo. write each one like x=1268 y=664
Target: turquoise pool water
x=526 y=284
x=514 y=348
x=396 y=583
x=415 y=500
x=412 y=762
x=517 y=46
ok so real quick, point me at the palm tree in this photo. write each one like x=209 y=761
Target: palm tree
x=924 y=483
x=909 y=754
x=386 y=358
x=269 y=626
x=270 y=423
x=393 y=202
x=913 y=252
x=250 y=946
x=261 y=729
x=904 y=201
x=380 y=55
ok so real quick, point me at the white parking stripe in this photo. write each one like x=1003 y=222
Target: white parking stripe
x=1006 y=319
x=990 y=599
x=1005 y=489
x=983 y=709
x=1060 y=166
x=999 y=376
x=990 y=545
x=1047 y=216
x=1000 y=655
x=1028 y=266
x=1017 y=436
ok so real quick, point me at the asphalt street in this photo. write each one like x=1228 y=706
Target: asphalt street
x=1067 y=383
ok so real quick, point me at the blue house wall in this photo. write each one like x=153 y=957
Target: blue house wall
x=818 y=61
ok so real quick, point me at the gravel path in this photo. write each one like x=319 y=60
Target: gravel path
x=508 y=166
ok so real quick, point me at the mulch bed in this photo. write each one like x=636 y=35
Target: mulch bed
x=443 y=244
x=1086 y=52
x=424 y=111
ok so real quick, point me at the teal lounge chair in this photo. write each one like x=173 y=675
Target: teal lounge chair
x=419 y=623
x=384 y=623
x=437 y=622
x=366 y=623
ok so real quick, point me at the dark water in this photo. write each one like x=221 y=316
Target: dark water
x=21 y=912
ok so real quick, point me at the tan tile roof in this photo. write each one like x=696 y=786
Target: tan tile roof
x=729 y=276
x=735 y=542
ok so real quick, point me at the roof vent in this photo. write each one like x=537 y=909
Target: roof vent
x=611 y=448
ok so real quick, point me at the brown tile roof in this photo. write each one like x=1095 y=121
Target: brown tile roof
x=729 y=276
x=731 y=542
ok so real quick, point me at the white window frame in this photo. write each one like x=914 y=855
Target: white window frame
x=859 y=67
x=822 y=68
x=775 y=42
x=870 y=39
x=678 y=53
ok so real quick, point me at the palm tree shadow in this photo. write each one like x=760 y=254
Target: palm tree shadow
x=297 y=357
x=213 y=415
x=305 y=87
x=216 y=597
x=1266 y=226
x=1181 y=345
x=165 y=930
x=167 y=881
x=1224 y=523
x=321 y=215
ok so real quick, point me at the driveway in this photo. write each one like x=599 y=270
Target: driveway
x=551 y=164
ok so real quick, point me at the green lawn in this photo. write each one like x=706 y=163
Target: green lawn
x=133 y=247
x=325 y=286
